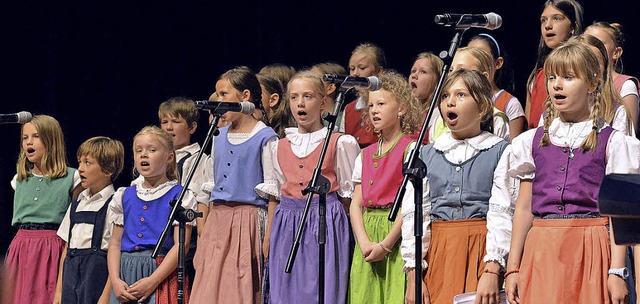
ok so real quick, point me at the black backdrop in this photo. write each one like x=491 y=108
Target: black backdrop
x=102 y=68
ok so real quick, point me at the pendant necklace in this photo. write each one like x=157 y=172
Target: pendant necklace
x=571 y=148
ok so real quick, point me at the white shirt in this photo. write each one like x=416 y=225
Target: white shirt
x=513 y=109
x=116 y=215
x=236 y=139
x=501 y=204
x=303 y=144
x=623 y=158
x=628 y=88
x=82 y=233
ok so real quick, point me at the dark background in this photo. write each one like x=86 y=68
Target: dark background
x=102 y=68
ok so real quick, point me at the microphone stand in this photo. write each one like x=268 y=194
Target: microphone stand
x=182 y=215
x=318 y=185
x=415 y=170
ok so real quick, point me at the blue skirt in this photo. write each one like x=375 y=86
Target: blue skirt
x=133 y=267
x=301 y=285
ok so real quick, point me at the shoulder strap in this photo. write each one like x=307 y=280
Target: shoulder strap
x=502 y=100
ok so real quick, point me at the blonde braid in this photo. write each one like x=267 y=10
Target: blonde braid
x=544 y=141
x=591 y=141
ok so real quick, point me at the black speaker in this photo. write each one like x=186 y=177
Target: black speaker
x=619 y=198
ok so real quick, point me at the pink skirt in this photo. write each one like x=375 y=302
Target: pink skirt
x=228 y=259
x=32 y=267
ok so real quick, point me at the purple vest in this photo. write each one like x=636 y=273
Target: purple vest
x=145 y=220
x=568 y=186
x=382 y=175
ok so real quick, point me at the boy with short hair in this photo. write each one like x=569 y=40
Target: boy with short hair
x=83 y=274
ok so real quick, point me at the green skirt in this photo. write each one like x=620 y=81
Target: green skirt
x=378 y=282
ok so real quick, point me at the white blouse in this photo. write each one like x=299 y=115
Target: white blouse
x=302 y=145
x=624 y=158
x=82 y=233
x=501 y=204
x=236 y=139
x=116 y=210
x=619 y=122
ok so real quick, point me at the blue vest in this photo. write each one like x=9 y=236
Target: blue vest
x=461 y=191
x=144 y=221
x=238 y=168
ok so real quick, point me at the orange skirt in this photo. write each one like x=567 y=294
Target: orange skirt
x=455 y=258
x=566 y=261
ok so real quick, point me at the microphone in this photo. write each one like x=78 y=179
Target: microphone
x=371 y=83
x=20 y=117
x=490 y=21
x=221 y=107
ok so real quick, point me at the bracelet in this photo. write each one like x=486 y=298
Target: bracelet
x=491 y=272
x=383 y=247
x=511 y=272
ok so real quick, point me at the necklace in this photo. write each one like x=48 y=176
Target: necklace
x=573 y=141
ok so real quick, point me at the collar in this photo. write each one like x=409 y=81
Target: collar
x=297 y=139
x=106 y=192
x=163 y=188
x=192 y=148
x=483 y=141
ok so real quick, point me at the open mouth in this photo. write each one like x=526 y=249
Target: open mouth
x=31 y=150
x=82 y=177
x=452 y=116
x=413 y=85
x=559 y=97
x=302 y=113
x=144 y=164
x=376 y=118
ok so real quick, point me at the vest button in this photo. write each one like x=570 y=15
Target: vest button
x=458 y=169
x=139 y=235
x=457 y=189
x=371 y=182
x=145 y=207
x=37 y=188
x=564 y=150
x=375 y=165
x=562 y=168
x=362 y=123
x=370 y=203
x=142 y=219
x=231 y=151
x=301 y=166
x=229 y=164
x=560 y=207
x=559 y=188
x=35 y=198
x=358 y=138
x=40 y=179
x=137 y=248
x=221 y=189
x=225 y=176
x=94 y=248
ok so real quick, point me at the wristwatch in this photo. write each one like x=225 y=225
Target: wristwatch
x=621 y=272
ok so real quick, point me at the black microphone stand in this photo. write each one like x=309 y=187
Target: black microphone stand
x=318 y=185
x=415 y=170
x=182 y=215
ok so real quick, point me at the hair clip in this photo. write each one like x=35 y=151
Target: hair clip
x=494 y=42
x=594 y=128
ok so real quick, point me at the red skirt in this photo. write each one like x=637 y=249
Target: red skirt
x=566 y=261
x=32 y=267
x=455 y=258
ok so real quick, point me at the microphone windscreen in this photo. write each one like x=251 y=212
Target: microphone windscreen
x=494 y=21
x=247 y=108
x=24 y=117
x=374 y=83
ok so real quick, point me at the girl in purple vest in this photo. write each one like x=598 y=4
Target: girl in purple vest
x=376 y=270
x=466 y=201
x=560 y=248
x=613 y=38
x=44 y=186
x=228 y=260
x=139 y=214
x=292 y=161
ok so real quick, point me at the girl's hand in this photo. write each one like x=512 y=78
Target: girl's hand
x=377 y=253
x=410 y=294
x=487 y=291
x=121 y=291
x=512 y=288
x=366 y=248
x=265 y=248
x=143 y=288
x=617 y=289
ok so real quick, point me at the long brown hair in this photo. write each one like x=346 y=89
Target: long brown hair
x=54 y=161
